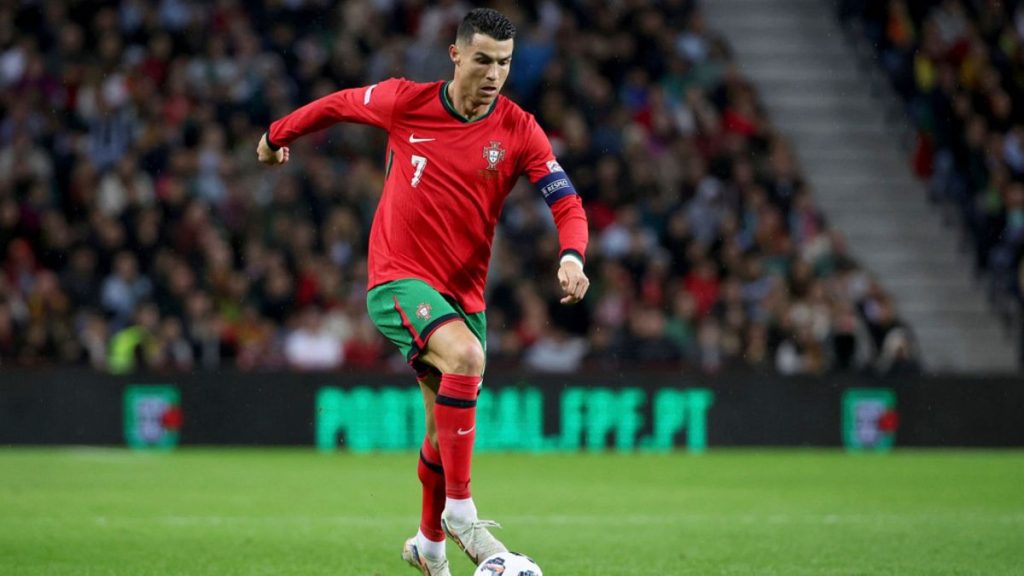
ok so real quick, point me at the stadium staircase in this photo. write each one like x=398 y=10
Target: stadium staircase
x=820 y=97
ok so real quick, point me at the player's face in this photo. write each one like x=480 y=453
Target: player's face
x=481 y=67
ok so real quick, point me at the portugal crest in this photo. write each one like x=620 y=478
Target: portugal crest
x=423 y=311
x=493 y=154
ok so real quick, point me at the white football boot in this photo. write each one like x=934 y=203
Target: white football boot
x=429 y=567
x=473 y=538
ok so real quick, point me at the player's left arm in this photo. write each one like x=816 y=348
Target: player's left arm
x=553 y=183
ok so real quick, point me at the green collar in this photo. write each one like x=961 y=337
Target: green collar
x=455 y=113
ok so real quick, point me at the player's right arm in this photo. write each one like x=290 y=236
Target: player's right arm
x=373 y=105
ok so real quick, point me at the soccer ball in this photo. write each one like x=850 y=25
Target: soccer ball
x=508 y=564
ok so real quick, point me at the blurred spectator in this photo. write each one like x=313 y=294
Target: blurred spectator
x=556 y=352
x=646 y=342
x=366 y=347
x=124 y=288
x=311 y=347
x=897 y=356
x=92 y=338
x=136 y=346
x=175 y=352
x=123 y=187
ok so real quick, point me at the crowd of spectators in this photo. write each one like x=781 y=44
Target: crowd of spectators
x=959 y=67
x=139 y=232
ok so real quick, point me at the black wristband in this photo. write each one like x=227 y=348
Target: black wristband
x=269 y=143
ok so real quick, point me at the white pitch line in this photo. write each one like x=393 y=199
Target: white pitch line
x=571 y=520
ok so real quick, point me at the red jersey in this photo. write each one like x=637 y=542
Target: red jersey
x=447 y=179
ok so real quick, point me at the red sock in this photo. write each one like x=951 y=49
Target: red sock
x=432 y=477
x=455 y=413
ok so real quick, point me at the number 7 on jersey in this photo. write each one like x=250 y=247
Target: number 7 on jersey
x=420 y=163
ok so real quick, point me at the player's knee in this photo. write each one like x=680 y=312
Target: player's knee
x=468 y=358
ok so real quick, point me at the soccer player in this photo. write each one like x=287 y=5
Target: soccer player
x=455 y=150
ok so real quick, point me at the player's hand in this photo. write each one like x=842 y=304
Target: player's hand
x=268 y=156
x=573 y=281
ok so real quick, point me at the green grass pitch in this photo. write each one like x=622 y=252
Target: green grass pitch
x=82 y=511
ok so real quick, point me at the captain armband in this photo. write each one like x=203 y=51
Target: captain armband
x=555 y=186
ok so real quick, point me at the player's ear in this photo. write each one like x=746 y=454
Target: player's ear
x=453 y=53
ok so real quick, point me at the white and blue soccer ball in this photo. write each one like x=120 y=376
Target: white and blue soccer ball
x=508 y=564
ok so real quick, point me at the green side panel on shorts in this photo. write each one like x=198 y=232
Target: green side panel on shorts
x=424 y=310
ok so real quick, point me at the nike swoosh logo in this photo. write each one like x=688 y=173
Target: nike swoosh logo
x=414 y=140
x=462 y=432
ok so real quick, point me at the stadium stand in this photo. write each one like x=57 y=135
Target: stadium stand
x=958 y=68
x=139 y=232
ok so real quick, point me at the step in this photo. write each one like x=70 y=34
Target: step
x=865 y=244
x=843 y=158
x=874 y=243
x=851 y=181
x=784 y=72
x=835 y=206
x=953 y=288
x=876 y=226
x=876 y=216
x=822 y=136
x=769 y=17
x=932 y=298
x=887 y=223
x=878 y=220
x=953 y=334
x=849 y=195
x=839 y=98
x=856 y=179
x=934 y=259
x=751 y=53
x=796 y=69
x=838 y=127
x=964 y=336
x=957 y=360
x=790 y=83
x=791 y=115
x=866 y=160
x=782 y=4
x=947 y=335
x=969 y=310
x=794 y=45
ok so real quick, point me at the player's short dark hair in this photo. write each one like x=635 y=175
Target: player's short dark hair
x=485 y=21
